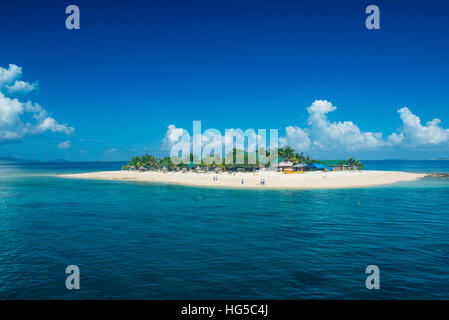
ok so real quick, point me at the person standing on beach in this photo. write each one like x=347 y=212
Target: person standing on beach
x=242 y=181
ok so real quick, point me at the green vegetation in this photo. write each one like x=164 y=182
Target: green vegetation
x=148 y=162
x=351 y=162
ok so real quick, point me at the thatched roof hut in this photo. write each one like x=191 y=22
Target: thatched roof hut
x=142 y=169
x=184 y=170
x=285 y=164
x=132 y=168
x=217 y=169
x=299 y=166
x=164 y=169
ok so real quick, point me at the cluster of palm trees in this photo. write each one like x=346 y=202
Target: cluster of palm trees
x=150 y=162
x=146 y=161
x=209 y=162
x=290 y=154
x=351 y=162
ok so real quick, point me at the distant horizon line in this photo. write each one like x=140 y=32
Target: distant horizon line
x=12 y=159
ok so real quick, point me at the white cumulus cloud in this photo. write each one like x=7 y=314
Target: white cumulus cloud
x=20 y=119
x=296 y=138
x=212 y=139
x=64 y=145
x=321 y=134
x=395 y=139
x=416 y=133
x=21 y=87
x=172 y=136
x=324 y=134
x=9 y=75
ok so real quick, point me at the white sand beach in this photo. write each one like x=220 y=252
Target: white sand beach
x=273 y=180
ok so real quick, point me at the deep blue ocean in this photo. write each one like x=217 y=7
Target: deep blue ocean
x=135 y=240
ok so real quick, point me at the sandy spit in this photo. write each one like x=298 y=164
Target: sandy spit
x=273 y=180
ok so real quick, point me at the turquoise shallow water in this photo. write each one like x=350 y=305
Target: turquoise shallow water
x=153 y=241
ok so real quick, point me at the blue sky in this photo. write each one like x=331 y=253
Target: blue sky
x=136 y=67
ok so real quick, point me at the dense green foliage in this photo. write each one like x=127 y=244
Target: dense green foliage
x=250 y=161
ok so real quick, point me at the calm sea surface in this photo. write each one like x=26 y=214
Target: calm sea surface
x=153 y=241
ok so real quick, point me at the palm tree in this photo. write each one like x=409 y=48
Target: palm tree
x=309 y=160
x=287 y=152
x=299 y=157
x=355 y=163
x=167 y=163
x=134 y=161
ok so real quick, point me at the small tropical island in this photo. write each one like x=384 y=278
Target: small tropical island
x=287 y=170
x=286 y=161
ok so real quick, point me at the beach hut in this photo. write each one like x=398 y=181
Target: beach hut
x=335 y=165
x=142 y=169
x=190 y=167
x=132 y=168
x=281 y=165
x=285 y=165
x=274 y=164
x=164 y=169
x=217 y=169
x=318 y=166
x=298 y=167
x=184 y=170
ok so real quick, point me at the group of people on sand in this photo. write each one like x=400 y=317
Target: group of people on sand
x=262 y=180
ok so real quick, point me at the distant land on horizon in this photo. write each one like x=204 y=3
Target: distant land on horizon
x=11 y=159
x=17 y=160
